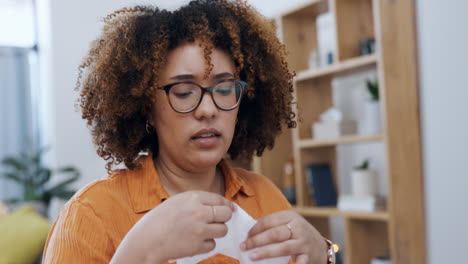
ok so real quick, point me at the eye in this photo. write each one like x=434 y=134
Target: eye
x=184 y=90
x=224 y=91
x=225 y=88
x=183 y=95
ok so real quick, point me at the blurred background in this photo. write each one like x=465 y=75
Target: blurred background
x=381 y=85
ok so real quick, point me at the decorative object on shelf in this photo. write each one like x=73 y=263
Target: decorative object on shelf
x=370 y=124
x=373 y=88
x=360 y=203
x=332 y=125
x=321 y=187
x=363 y=181
x=363 y=191
x=28 y=170
x=330 y=58
x=289 y=182
x=326 y=38
x=367 y=46
x=314 y=60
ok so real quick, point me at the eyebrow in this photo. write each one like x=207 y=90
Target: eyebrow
x=184 y=77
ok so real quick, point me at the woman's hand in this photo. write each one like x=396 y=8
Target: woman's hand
x=184 y=225
x=286 y=233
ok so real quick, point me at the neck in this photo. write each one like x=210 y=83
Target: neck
x=176 y=179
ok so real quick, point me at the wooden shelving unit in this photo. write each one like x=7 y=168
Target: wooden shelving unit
x=345 y=67
x=350 y=139
x=332 y=211
x=399 y=229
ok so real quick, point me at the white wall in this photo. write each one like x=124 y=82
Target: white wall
x=20 y=14
x=443 y=58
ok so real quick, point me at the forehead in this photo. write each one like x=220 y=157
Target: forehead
x=190 y=58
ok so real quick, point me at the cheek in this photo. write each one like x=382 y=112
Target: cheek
x=230 y=121
x=163 y=116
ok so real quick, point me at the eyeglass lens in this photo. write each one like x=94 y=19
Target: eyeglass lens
x=185 y=96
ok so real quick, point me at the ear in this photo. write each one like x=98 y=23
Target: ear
x=150 y=114
x=149 y=121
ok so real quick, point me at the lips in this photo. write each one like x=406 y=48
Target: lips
x=205 y=136
x=206 y=133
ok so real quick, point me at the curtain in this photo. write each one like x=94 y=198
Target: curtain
x=18 y=122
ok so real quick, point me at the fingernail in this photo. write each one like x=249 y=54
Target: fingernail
x=233 y=207
x=243 y=246
x=253 y=256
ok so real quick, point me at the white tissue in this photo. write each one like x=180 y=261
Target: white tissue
x=331 y=115
x=229 y=245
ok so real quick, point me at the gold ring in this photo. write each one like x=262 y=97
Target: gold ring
x=214 y=213
x=290 y=231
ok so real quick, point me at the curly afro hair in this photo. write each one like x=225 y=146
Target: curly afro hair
x=119 y=76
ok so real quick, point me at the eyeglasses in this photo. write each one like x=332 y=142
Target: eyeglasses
x=185 y=97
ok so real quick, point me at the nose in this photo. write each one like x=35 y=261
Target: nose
x=206 y=108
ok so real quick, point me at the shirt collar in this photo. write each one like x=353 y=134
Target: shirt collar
x=233 y=182
x=146 y=191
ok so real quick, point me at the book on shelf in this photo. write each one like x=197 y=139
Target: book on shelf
x=320 y=182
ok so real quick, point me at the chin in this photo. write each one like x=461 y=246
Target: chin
x=207 y=159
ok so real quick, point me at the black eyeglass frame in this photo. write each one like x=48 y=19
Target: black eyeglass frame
x=168 y=87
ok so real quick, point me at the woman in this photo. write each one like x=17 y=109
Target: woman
x=170 y=94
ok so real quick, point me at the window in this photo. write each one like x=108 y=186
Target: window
x=18 y=73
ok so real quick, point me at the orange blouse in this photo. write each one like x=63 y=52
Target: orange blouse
x=92 y=224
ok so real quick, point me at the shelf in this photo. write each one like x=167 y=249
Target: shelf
x=307 y=9
x=317 y=143
x=333 y=211
x=338 y=68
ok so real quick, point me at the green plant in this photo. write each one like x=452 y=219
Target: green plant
x=28 y=170
x=363 y=166
x=373 y=88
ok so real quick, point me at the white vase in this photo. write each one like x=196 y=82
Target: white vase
x=363 y=183
x=370 y=123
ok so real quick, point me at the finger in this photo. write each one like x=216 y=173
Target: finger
x=302 y=259
x=270 y=221
x=208 y=198
x=218 y=213
x=273 y=235
x=207 y=246
x=216 y=231
x=286 y=248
